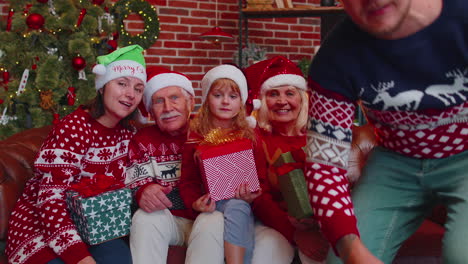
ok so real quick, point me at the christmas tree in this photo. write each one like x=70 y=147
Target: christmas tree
x=47 y=52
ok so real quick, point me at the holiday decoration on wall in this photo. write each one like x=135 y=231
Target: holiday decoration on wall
x=47 y=50
x=149 y=16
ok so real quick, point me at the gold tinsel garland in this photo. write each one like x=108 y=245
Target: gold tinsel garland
x=218 y=136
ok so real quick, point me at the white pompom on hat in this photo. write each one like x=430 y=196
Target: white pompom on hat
x=225 y=71
x=123 y=62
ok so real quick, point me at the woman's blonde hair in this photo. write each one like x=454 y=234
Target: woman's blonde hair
x=301 y=121
x=202 y=124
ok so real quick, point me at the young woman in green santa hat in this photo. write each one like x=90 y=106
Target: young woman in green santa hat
x=90 y=141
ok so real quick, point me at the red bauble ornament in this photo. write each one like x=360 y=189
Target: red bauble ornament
x=78 y=63
x=113 y=44
x=35 y=21
x=1 y=101
x=43 y=1
x=98 y=2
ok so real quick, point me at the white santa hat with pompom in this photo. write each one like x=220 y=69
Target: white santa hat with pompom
x=231 y=72
x=123 y=62
x=159 y=78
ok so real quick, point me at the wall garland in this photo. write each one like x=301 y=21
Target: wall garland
x=123 y=8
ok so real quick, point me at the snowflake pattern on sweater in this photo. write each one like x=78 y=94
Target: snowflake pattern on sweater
x=40 y=227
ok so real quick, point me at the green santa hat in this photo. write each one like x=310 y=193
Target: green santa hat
x=123 y=62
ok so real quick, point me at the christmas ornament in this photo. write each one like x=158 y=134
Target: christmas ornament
x=78 y=63
x=52 y=8
x=42 y=1
x=71 y=95
x=35 y=21
x=26 y=9
x=1 y=101
x=52 y=51
x=80 y=18
x=47 y=101
x=112 y=45
x=6 y=77
x=108 y=18
x=23 y=82
x=10 y=16
x=4 y=117
x=56 y=119
x=98 y=2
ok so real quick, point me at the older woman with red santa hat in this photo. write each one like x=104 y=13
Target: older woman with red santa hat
x=280 y=103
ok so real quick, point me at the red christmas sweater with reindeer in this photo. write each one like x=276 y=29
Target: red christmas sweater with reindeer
x=413 y=91
x=156 y=157
x=40 y=228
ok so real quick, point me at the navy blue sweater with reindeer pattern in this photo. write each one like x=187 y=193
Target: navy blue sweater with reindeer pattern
x=414 y=92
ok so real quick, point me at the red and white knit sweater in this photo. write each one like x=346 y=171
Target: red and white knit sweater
x=156 y=157
x=40 y=227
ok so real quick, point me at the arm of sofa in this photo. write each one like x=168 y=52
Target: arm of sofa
x=17 y=154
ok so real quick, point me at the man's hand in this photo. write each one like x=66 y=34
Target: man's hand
x=87 y=260
x=243 y=193
x=154 y=198
x=353 y=251
x=204 y=204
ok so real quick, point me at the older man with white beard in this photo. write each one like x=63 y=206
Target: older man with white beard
x=155 y=155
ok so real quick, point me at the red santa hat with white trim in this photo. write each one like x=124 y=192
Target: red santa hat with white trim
x=274 y=72
x=159 y=78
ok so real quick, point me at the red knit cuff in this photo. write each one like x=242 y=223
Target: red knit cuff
x=75 y=253
x=334 y=228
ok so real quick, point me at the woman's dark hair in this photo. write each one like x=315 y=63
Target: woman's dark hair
x=96 y=109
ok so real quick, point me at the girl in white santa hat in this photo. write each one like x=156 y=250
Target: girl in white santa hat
x=221 y=119
x=280 y=103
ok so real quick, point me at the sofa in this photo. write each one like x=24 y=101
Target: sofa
x=17 y=155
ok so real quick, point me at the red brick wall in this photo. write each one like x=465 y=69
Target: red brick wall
x=182 y=21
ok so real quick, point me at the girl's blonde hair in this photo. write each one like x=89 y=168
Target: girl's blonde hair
x=202 y=124
x=301 y=121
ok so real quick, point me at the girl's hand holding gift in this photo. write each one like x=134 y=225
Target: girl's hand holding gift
x=204 y=204
x=243 y=193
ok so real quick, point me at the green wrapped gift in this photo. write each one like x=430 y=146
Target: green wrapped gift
x=284 y=158
x=102 y=217
x=294 y=189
